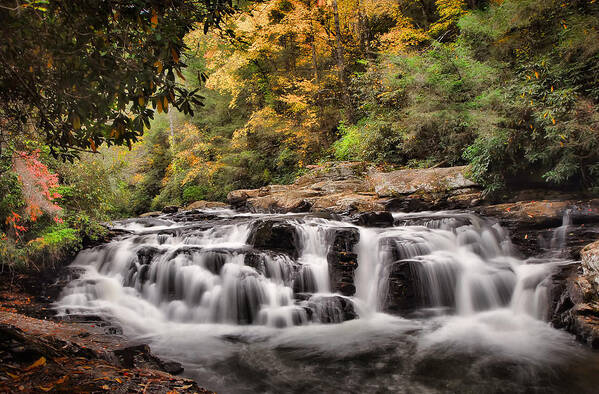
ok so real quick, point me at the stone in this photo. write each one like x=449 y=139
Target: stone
x=343 y=261
x=170 y=209
x=205 y=204
x=275 y=235
x=150 y=214
x=375 y=219
x=349 y=187
x=590 y=259
x=410 y=181
x=331 y=309
x=402 y=294
x=172 y=367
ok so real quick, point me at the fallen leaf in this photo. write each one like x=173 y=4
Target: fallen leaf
x=41 y=361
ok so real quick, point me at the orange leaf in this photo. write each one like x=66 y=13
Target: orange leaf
x=175 y=55
x=41 y=361
x=154 y=19
x=92 y=144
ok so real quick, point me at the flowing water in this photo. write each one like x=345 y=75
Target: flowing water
x=243 y=317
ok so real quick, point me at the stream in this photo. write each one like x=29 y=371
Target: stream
x=296 y=303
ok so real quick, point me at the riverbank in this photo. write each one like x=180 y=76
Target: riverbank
x=42 y=353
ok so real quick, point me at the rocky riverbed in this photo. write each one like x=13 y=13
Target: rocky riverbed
x=341 y=202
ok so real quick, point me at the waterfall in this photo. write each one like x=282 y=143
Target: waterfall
x=226 y=281
x=213 y=275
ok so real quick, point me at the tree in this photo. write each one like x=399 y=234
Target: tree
x=87 y=72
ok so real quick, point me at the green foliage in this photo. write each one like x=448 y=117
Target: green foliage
x=83 y=78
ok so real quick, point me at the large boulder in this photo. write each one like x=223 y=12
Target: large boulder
x=205 y=204
x=411 y=181
x=275 y=235
x=402 y=292
x=151 y=214
x=170 y=209
x=375 y=219
x=590 y=259
x=575 y=297
x=343 y=260
x=350 y=187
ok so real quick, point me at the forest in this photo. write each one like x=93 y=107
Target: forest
x=510 y=87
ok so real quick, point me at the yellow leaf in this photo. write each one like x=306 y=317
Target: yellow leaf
x=154 y=19
x=12 y=375
x=118 y=380
x=545 y=115
x=41 y=361
x=141 y=101
x=76 y=122
x=563 y=137
x=49 y=388
x=551 y=88
x=158 y=65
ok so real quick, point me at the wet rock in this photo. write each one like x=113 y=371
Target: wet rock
x=331 y=309
x=146 y=254
x=137 y=356
x=343 y=260
x=544 y=213
x=411 y=204
x=275 y=235
x=575 y=298
x=375 y=219
x=402 y=293
x=170 y=209
x=172 y=367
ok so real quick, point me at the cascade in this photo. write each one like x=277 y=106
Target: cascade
x=196 y=280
